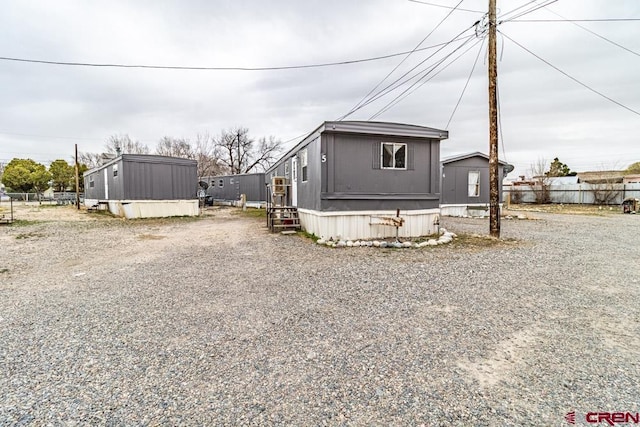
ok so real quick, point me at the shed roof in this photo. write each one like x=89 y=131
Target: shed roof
x=468 y=156
x=144 y=158
x=369 y=128
x=596 y=177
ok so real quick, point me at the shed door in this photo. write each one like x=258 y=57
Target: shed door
x=106 y=184
x=294 y=181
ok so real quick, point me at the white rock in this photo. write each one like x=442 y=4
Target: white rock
x=407 y=244
x=383 y=244
x=321 y=241
x=423 y=244
x=349 y=243
x=369 y=244
x=376 y=243
x=342 y=243
x=432 y=242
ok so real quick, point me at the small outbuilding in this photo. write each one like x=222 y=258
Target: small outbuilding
x=465 y=184
x=143 y=186
x=230 y=188
x=347 y=179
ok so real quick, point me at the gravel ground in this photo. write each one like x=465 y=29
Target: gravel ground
x=217 y=322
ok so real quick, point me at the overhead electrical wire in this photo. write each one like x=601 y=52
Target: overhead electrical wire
x=576 y=20
x=465 y=85
x=571 y=77
x=171 y=67
x=593 y=32
x=526 y=12
x=403 y=60
x=447 y=7
x=399 y=81
x=423 y=79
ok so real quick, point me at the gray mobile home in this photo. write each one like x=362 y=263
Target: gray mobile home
x=347 y=178
x=229 y=188
x=142 y=185
x=465 y=184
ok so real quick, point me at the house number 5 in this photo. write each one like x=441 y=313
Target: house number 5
x=324 y=158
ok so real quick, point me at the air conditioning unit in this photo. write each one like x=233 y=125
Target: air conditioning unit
x=279 y=185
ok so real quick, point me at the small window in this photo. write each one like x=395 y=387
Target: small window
x=231 y=181
x=221 y=183
x=394 y=155
x=474 y=184
x=91 y=182
x=303 y=164
x=286 y=168
x=115 y=171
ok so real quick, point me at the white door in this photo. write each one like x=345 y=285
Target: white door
x=106 y=184
x=294 y=181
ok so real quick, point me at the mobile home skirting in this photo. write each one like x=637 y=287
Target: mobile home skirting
x=351 y=225
x=466 y=209
x=131 y=209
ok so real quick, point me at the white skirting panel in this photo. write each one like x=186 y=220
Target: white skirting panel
x=352 y=225
x=465 y=210
x=150 y=208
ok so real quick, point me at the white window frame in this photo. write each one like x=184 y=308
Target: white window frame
x=303 y=164
x=115 y=171
x=92 y=183
x=286 y=168
x=473 y=184
x=396 y=147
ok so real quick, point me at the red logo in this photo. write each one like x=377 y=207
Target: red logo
x=612 y=418
x=570 y=417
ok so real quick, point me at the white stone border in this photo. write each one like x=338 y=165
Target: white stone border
x=445 y=237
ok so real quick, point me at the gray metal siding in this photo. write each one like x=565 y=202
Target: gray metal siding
x=455 y=181
x=252 y=185
x=309 y=191
x=144 y=177
x=355 y=180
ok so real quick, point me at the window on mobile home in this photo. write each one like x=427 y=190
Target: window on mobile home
x=474 y=184
x=394 y=155
x=303 y=164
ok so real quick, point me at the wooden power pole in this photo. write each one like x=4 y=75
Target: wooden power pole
x=494 y=176
x=77 y=180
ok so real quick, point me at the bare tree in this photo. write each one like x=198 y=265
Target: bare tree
x=123 y=144
x=91 y=160
x=204 y=150
x=241 y=154
x=175 y=147
x=542 y=184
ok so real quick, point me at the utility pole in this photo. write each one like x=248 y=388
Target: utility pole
x=239 y=157
x=494 y=196
x=77 y=180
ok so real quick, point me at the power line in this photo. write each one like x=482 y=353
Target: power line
x=448 y=7
x=403 y=60
x=575 y=20
x=198 y=68
x=526 y=12
x=594 y=33
x=398 y=82
x=420 y=75
x=423 y=80
x=465 y=86
x=572 y=78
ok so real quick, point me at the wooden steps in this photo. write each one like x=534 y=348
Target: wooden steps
x=283 y=218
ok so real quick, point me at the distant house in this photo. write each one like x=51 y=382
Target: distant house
x=601 y=177
x=347 y=178
x=141 y=185
x=229 y=188
x=465 y=184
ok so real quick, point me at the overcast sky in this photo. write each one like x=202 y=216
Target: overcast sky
x=46 y=109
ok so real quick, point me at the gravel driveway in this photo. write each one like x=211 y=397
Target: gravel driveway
x=217 y=322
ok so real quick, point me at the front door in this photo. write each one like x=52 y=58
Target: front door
x=294 y=181
x=106 y=184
